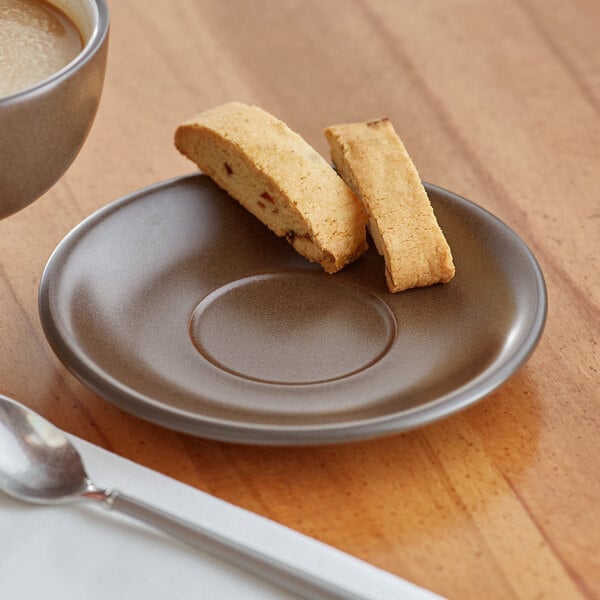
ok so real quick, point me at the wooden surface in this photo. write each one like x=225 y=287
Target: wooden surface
x=497 y=100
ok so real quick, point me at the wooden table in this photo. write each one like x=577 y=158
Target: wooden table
x=498 y=101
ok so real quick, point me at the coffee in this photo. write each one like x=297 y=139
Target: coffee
x=36 y=41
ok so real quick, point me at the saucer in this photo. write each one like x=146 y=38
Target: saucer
x=177 y=305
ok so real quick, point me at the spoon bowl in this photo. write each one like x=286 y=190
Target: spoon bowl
x=38 y=463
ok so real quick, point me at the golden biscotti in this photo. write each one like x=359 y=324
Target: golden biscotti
x=276 y=175
x=374 y=163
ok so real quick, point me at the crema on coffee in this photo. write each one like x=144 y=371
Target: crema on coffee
x=36 y=41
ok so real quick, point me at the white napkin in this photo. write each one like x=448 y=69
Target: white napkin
x=82 y=551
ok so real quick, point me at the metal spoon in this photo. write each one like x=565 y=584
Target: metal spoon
x=39 y=464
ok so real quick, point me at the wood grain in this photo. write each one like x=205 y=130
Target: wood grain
x=497 y=100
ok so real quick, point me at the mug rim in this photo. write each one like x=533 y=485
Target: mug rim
x=95 y=41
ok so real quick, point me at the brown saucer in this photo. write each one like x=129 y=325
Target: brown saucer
x=177 y=305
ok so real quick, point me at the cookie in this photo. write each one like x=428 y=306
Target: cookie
x=374 y=163
x=277 y=176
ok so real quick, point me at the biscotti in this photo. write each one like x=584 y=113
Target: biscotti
x=374 y=163
x=276 y=175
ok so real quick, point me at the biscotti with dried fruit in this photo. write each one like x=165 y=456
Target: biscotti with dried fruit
x=374 y=163
x=276 y=175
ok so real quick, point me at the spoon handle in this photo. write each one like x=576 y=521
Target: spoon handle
x=252 y=561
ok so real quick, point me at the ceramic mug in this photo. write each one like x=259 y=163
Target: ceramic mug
x=43 y=127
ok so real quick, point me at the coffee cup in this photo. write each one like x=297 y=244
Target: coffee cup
x=44 y=126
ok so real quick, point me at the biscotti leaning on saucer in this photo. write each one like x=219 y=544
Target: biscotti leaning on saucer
x=276 y=175
x=374 y=163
